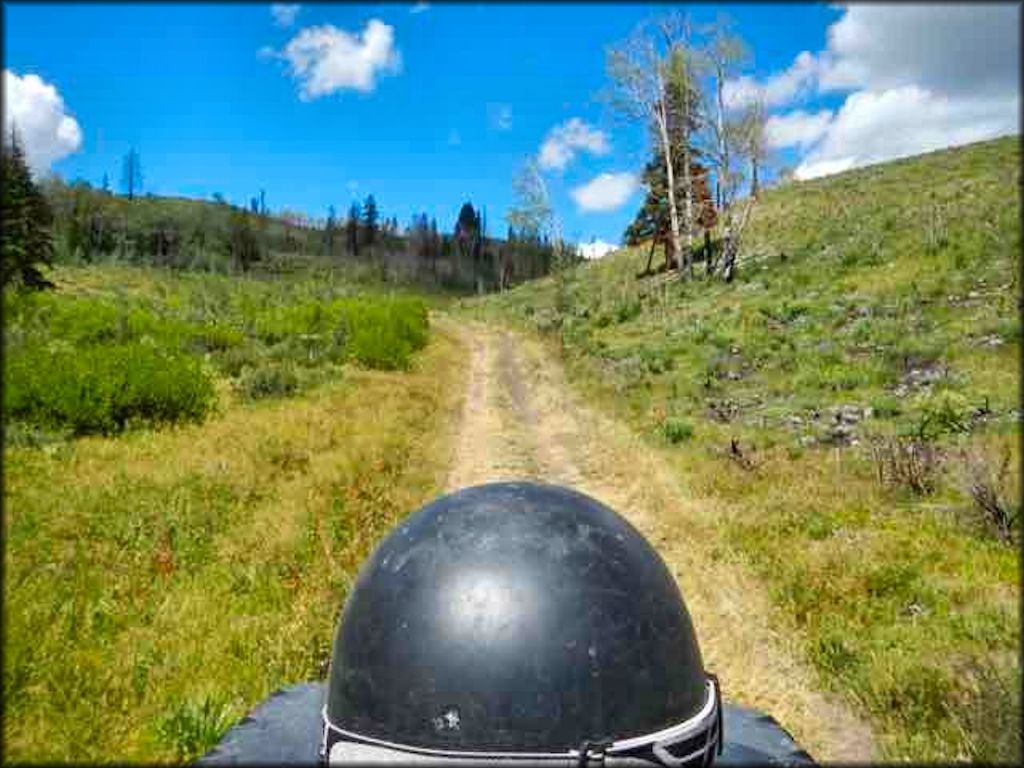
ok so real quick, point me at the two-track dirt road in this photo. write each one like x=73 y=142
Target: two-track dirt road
x=521 y=420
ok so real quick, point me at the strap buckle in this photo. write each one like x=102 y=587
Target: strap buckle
x=592 y=752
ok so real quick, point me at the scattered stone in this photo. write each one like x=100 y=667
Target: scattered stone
x=993 y=340
x=922 y=378
x=839 y=434
x=794 y=421
x=724 y=410
x=807 y=440
x=845 y=414
x=914 y=610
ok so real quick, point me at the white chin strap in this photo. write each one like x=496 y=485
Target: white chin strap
x=696 y=740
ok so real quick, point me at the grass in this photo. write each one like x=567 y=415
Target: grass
x=159 y=583
x=112 y=347
x=880 y=304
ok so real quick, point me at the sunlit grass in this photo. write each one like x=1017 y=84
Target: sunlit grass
x=891 y=292
x=160 y=583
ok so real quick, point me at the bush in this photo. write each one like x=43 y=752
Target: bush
x=384 y=334
x=270 y=381
x=907 y=463
x=676 y=430
x=102 y=389
x=988 y=484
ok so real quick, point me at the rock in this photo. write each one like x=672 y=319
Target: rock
x=914 y=610
x=839 y=434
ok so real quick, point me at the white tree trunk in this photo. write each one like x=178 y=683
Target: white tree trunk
x=673 y=210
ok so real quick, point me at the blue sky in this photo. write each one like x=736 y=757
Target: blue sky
x=445 y=105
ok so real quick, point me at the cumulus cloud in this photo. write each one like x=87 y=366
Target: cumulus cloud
x=37 y=112
x=967 y=49
x=284 y=15
x=782 y=88
x=563 y=141
x=420 y=8
x=605 y=192
x=596 y=249
x=874 y=126
x=797 y=128
x=326 y=59
x=917 y=78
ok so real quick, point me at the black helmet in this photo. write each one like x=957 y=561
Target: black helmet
x=518 y=621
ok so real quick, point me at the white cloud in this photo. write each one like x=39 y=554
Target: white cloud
x=420 y=8
x=777 y=90
x=596 y=249
x=917 y=78
x=284 y=15
x=966 y=49
x=797 y=128
x=499 y=116
x=36 y=110
x=605 y=192
x=327 y=59
x=874 y=126
x=563 y=141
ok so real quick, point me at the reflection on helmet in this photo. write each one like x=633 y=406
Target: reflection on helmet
x=512 y=622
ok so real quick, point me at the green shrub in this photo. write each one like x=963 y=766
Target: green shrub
x=270 y=381
x=101 y=389
x=676 y=430
x=384 y=333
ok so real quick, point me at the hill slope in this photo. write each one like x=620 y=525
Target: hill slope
x=849 y=407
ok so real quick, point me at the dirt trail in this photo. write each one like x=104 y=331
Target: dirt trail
x=522 y=421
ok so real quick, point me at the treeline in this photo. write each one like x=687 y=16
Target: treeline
x=53 y=221
x=93 y=224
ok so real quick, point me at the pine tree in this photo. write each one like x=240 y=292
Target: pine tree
x=27 y=231
x=131 y=173
x=352 y=229
x=329 y=231
x=371 y=217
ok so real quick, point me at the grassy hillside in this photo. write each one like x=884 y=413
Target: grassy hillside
x=194 y=468
x=850 y=408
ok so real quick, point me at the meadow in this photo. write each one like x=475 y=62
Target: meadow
x=194 y=468
x=850 y=408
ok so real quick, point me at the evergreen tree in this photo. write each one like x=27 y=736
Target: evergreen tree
x=352 y=229
x=131 y=174
x=27 y=222
x=370 y=219
x=329 y=231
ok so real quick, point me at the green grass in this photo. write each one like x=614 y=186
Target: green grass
x=877 y=304
x=113 y=347
x=159 y=582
